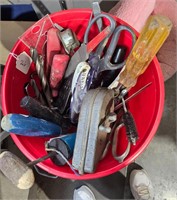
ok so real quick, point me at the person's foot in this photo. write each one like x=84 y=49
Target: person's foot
x=140 y=185
x=83 y=193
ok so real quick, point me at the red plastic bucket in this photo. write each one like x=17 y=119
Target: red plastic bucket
x=146 y=108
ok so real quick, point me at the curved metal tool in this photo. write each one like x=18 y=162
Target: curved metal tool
x=107 y=34
x=38 y=94
x=131 y=132
x=119 y=158
x=105 y=62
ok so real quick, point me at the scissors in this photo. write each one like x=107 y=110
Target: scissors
x=115 y=131
x=98 y=63
x=82 y=54
x=103 y=62
x=87 y=47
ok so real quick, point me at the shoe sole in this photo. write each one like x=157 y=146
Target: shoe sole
x=127 y=191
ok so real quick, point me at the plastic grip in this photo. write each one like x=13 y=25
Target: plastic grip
x=36 y=109
x=152 y=37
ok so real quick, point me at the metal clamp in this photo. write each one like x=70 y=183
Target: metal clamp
x=119 y=158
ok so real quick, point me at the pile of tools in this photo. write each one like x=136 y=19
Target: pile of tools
x=79 y=90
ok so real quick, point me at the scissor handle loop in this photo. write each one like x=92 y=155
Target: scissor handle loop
x=107 y=63
x=112 y=26
x=119 y=158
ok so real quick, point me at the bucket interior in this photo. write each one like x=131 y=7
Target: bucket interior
x=146 y=107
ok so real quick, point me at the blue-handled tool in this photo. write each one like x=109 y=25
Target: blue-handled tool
x=36 y=109
x=64 y=144
x=29 y=126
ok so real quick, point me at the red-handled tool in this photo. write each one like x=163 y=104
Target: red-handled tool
x=53 y=47
x=59 y=64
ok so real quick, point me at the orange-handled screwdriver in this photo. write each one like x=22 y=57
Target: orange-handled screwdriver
x=152 y=37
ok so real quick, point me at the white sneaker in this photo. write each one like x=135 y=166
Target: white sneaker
x=83 y=193
x=140 y=185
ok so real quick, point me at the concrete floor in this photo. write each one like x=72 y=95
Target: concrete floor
x=159 y=159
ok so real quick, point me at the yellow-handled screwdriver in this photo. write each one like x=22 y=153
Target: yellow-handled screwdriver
x=152 y=37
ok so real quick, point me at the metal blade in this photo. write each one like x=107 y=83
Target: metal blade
x=96 y=12
x=132 y=96
x=80 y=55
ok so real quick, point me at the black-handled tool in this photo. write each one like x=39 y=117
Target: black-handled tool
x=63 y=4
x=36 y=109
x=117 y=58
x=129 y=123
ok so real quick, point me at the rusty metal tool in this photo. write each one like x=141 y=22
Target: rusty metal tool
x=153 y=35
x=119 y=105
x=124 y=119
x=128 y=122
x=38 y=60
x=119 y=113
x=69 y=40
x=37 y=93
